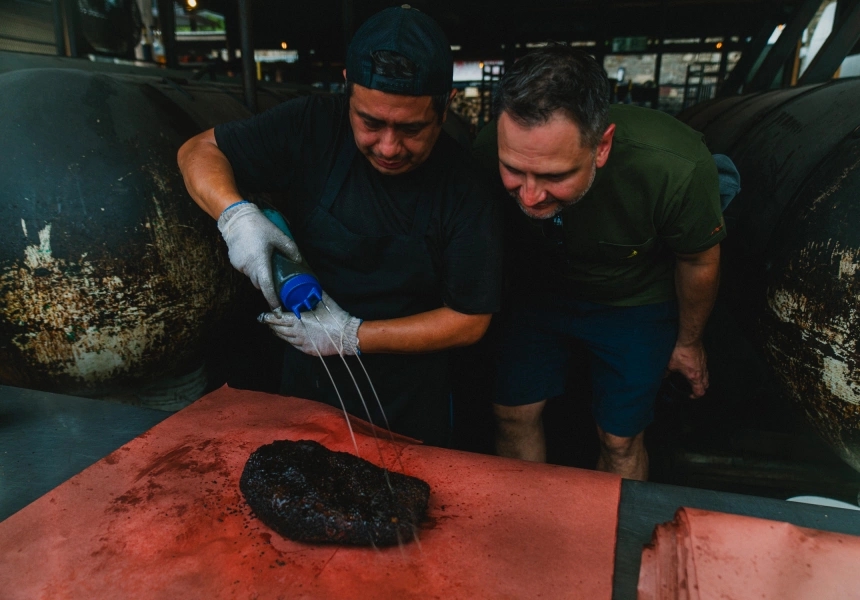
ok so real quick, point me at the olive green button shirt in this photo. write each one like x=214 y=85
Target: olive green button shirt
x=657 y=195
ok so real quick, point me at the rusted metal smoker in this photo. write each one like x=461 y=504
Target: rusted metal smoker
x=110 y=276
x=792 y=259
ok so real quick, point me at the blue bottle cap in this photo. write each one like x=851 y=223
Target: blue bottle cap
x=301 y=292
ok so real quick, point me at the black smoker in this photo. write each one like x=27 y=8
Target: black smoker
x=792 y=255
x=110 y=276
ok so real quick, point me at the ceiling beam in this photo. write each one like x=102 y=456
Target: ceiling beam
x=784 y=46
x=845 y=34
x=749 y=56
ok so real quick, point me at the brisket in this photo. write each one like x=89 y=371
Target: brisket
x=308 y=493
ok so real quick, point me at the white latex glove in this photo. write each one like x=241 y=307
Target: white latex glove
x=329 y=332
x=251 y=238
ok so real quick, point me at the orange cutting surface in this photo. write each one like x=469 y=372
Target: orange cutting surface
x=163 y=517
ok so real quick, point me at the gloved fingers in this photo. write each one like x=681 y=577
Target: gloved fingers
x=277 y=238
x=285 y=325
x=287 y=247
x=278 y=317
x=297 y=338
x=265 y=285
x=313 y=334
x=280 y=335
x=330 y=303
x=309 y=349
x=289 y=334
x=319 y=350
x=275 y=316
x=329 y=311
x=238 y=259
x=259 y=274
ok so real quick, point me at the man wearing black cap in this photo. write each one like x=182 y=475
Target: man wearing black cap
x=387 y=210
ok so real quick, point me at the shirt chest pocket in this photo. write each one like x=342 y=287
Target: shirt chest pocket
x=613 y=253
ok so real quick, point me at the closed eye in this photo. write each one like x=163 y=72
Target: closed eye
x=412 y=129
x=556 y=177
x=510 y=169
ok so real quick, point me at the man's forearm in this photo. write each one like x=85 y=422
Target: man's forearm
x=697 y=278
x=430 y=331
x=208 y=174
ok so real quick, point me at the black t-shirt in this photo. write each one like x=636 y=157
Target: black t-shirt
x=291 y=149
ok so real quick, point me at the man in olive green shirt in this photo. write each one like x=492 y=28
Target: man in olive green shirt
x=615 y=244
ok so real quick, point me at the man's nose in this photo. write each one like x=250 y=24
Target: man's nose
x=531 y=193
x=389 y=144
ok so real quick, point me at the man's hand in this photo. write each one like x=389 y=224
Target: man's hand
x=697 y=277
x=251 y=238
x=691 y=362
x=326 y=330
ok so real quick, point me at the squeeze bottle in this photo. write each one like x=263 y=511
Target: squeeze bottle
x=295 y=283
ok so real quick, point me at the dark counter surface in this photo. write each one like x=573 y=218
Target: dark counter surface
x=47 y=438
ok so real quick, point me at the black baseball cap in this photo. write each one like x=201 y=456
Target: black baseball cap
x=409 y=32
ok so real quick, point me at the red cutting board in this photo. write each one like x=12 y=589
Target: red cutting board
x=163 y=517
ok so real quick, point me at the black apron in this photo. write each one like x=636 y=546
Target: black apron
x=375 y=277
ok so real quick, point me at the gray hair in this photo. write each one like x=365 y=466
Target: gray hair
x=556 y=78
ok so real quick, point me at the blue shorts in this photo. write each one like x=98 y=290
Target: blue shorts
x=628 y=350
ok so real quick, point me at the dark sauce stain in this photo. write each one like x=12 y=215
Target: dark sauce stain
x=152 y=490
x=123 y=503
x=178 y=460
x=168 y=462
x=104 y=550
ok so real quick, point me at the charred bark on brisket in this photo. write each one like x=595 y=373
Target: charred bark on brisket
x=308 y=493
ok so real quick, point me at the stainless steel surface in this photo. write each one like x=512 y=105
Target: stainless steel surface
x=47 y=438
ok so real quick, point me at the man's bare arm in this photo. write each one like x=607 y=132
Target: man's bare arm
x=697 y=278
x=425 y=332
x=208 y=174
